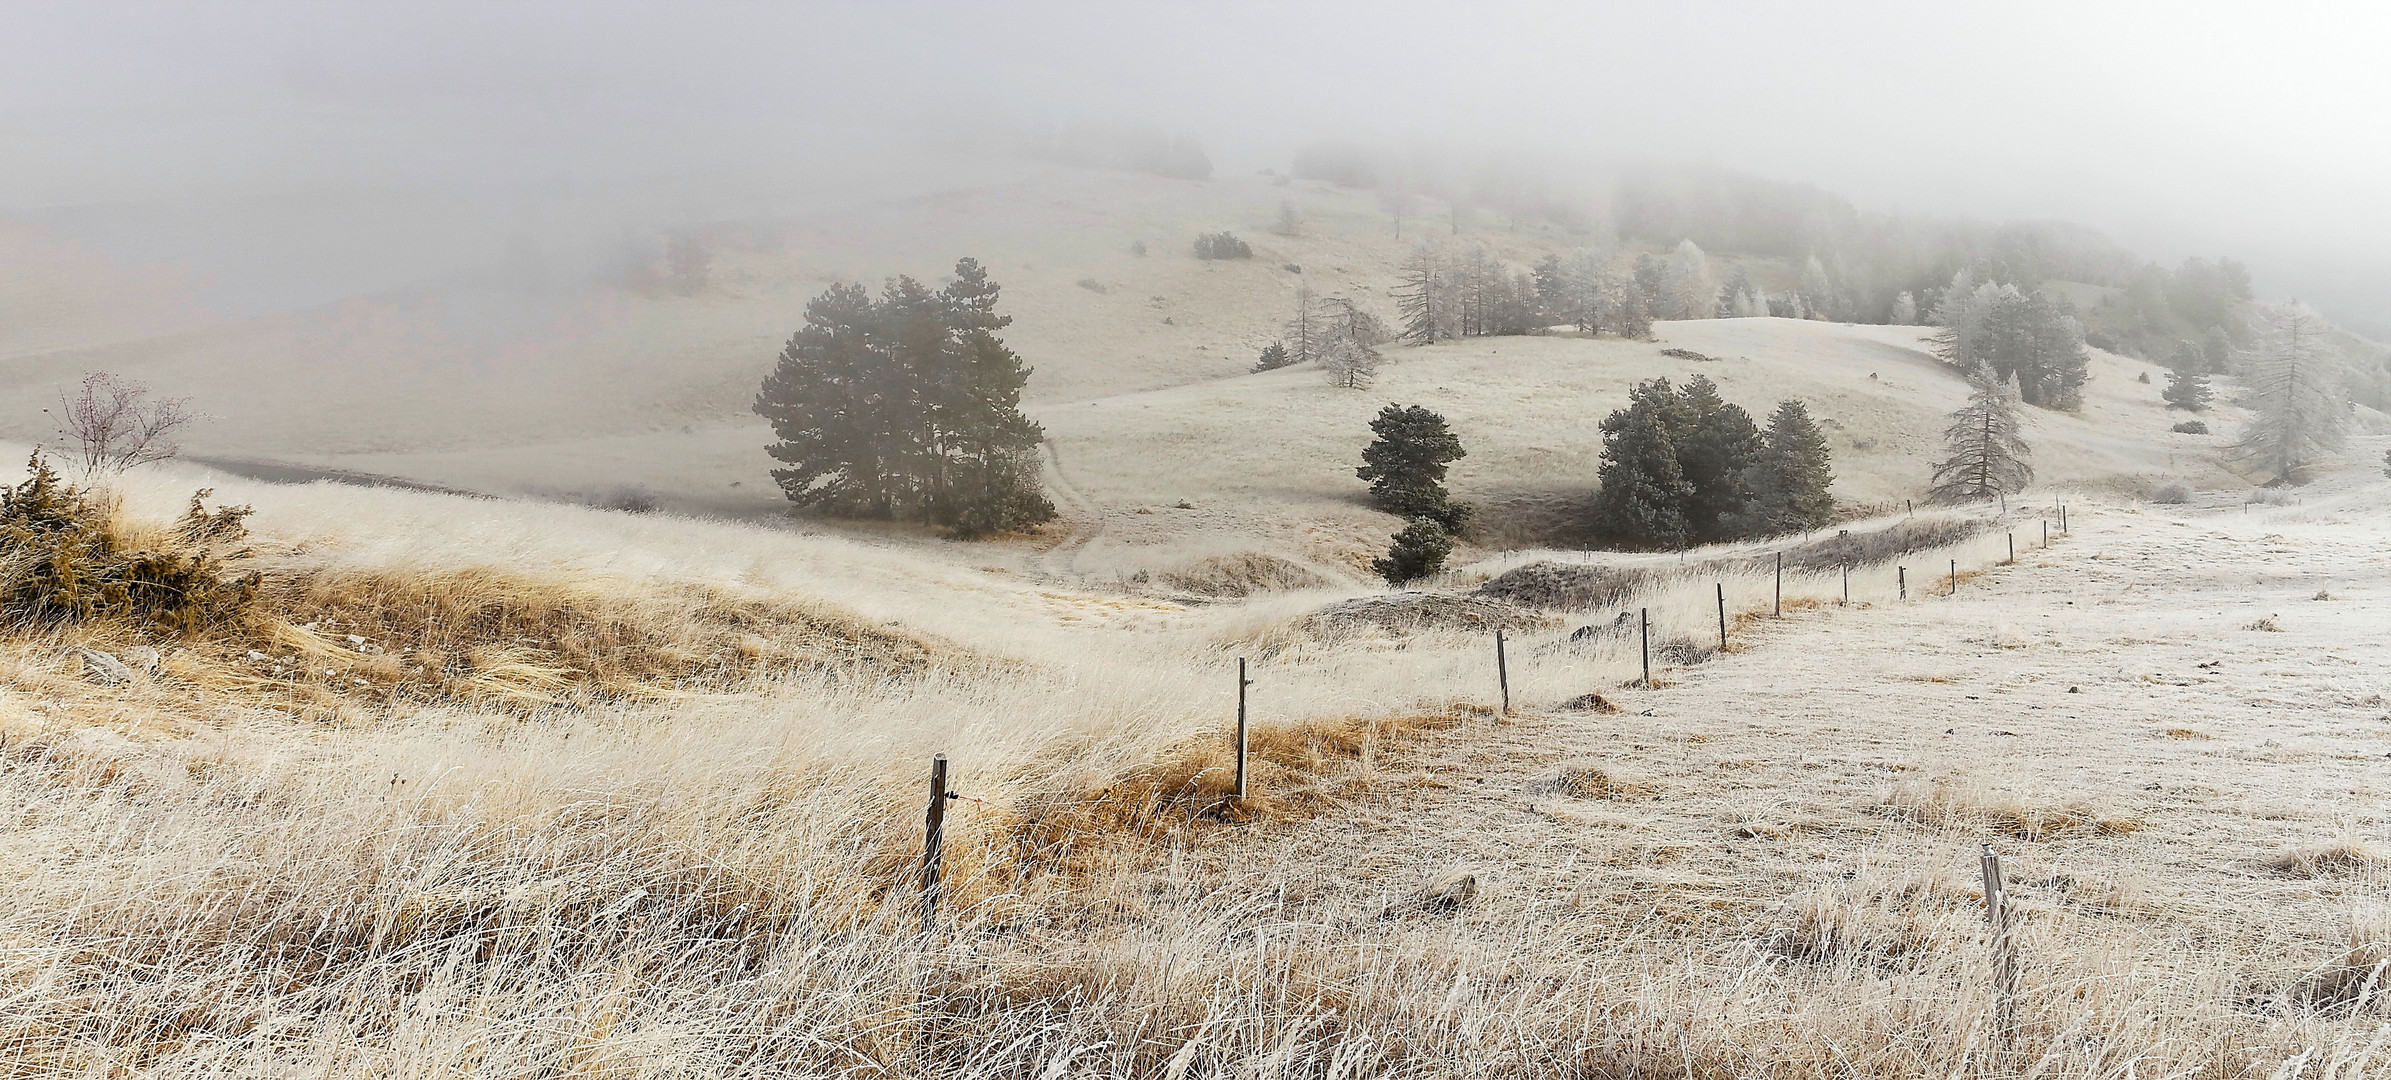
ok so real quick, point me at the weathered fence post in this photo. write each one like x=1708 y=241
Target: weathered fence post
x=1909 y=508
x=1502 y=672
x=1846 y=584
x=1242 y=683
x=1722 y=616
x=1955 y=577
x=2012 y=549
x=2046 y=532
x=1644 y=632
x=2004 y=945
x=1901 y=575
x=2063 y=519
x=1780 y=585
x=934 y=842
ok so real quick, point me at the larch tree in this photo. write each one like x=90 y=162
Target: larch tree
x=1306 y=330
x=1405 y=465
x=1791 y=478
x=1349 y=340
x=2298 y=413
x=1986 y=458
x=1420 y=300
x=1693 y=291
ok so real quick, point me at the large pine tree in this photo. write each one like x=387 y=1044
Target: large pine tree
x=1406 y=464
x=1986 y=457
x=1790 y=480
x=1644 y=491
x=1714 y=450
x=2187 y=388
x=907 y=405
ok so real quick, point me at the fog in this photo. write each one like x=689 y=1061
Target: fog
x=296 y=153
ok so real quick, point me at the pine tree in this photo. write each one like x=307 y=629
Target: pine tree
x=1274 y=356
x=908 y=404
x=1791 y=480
x=1644 y=490
x=2298 y=415
x=1416 y=552
x=1406 y=464
x=1715 y=445
x=1557 y=295
x=2186 y=389
x=1987 y=458
x=1905 y=310
x=1818 y=291
x=1420 y=297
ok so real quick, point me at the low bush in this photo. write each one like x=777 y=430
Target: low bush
x=2172 y=495
x=2190 y=427
x=64 y=559
x=1222 y=245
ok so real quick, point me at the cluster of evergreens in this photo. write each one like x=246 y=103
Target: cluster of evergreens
x=1222 y=245
x=1684 y=466
x=907 y=406
x=2031 y=337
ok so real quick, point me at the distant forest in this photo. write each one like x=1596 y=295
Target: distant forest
x=1832 y=261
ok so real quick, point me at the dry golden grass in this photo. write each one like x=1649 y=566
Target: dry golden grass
x=2334 y=858
x=1965 y=805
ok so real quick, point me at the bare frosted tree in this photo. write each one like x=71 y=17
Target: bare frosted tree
x=1306 y=329
x=111 y=424
x=1987 y=456
x=1348 y=363
x=1693 y=291
x=1420 y=297
x=2298 y=413
x=1905 y=310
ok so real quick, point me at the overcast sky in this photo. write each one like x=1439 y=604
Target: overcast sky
x=2257 y=130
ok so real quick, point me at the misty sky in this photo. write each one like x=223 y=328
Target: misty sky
x=2255 y=130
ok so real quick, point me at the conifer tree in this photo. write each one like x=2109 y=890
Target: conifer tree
x=2186 y=389
x=1644 y=490
x=1905 y=310
x=1557 y=295
x=907 y=405
x=1405 y=465
x=1274 y=356
x=1986 y=457
x=1693 y=292
x=2297 y=413
x=1715 y=442
x=1416 y=552
x=1791 y=479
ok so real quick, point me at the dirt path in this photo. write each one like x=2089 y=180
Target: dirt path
x=1080 y=514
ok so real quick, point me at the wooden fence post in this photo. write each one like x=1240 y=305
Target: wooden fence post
x=1780 y=584
x=2013 y=549
x=2046 y=532
x=2004 y=944
x=1722 y=616
x=1644 y=631
x=934 y=842
x=1242 y=683
x=1846 y=584
x=1909 y=508
x=1502 y=672
x=1955 y=577
x=1901 y=575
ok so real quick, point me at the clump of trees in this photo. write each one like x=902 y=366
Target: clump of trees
x=1405 y=464
x=907 y=406
x=1986 y=457
x=1337 y=333
x=2298 y=411
x=2031 y=337
x=1684 y=466
x=1222 y=245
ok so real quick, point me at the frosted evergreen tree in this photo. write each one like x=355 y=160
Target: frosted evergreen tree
x=1420 y=300
x=1790 y=480
x=2299 y=413
x=1306 y=329
x=1905 y=310
x=1986 y=455
x=1818 y=290
x=2187 y=389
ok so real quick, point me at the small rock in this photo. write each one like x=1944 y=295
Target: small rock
x=256 y=657
x=104 y=669
x=356 y=640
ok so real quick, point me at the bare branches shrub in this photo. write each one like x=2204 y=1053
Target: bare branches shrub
x=110 y=424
